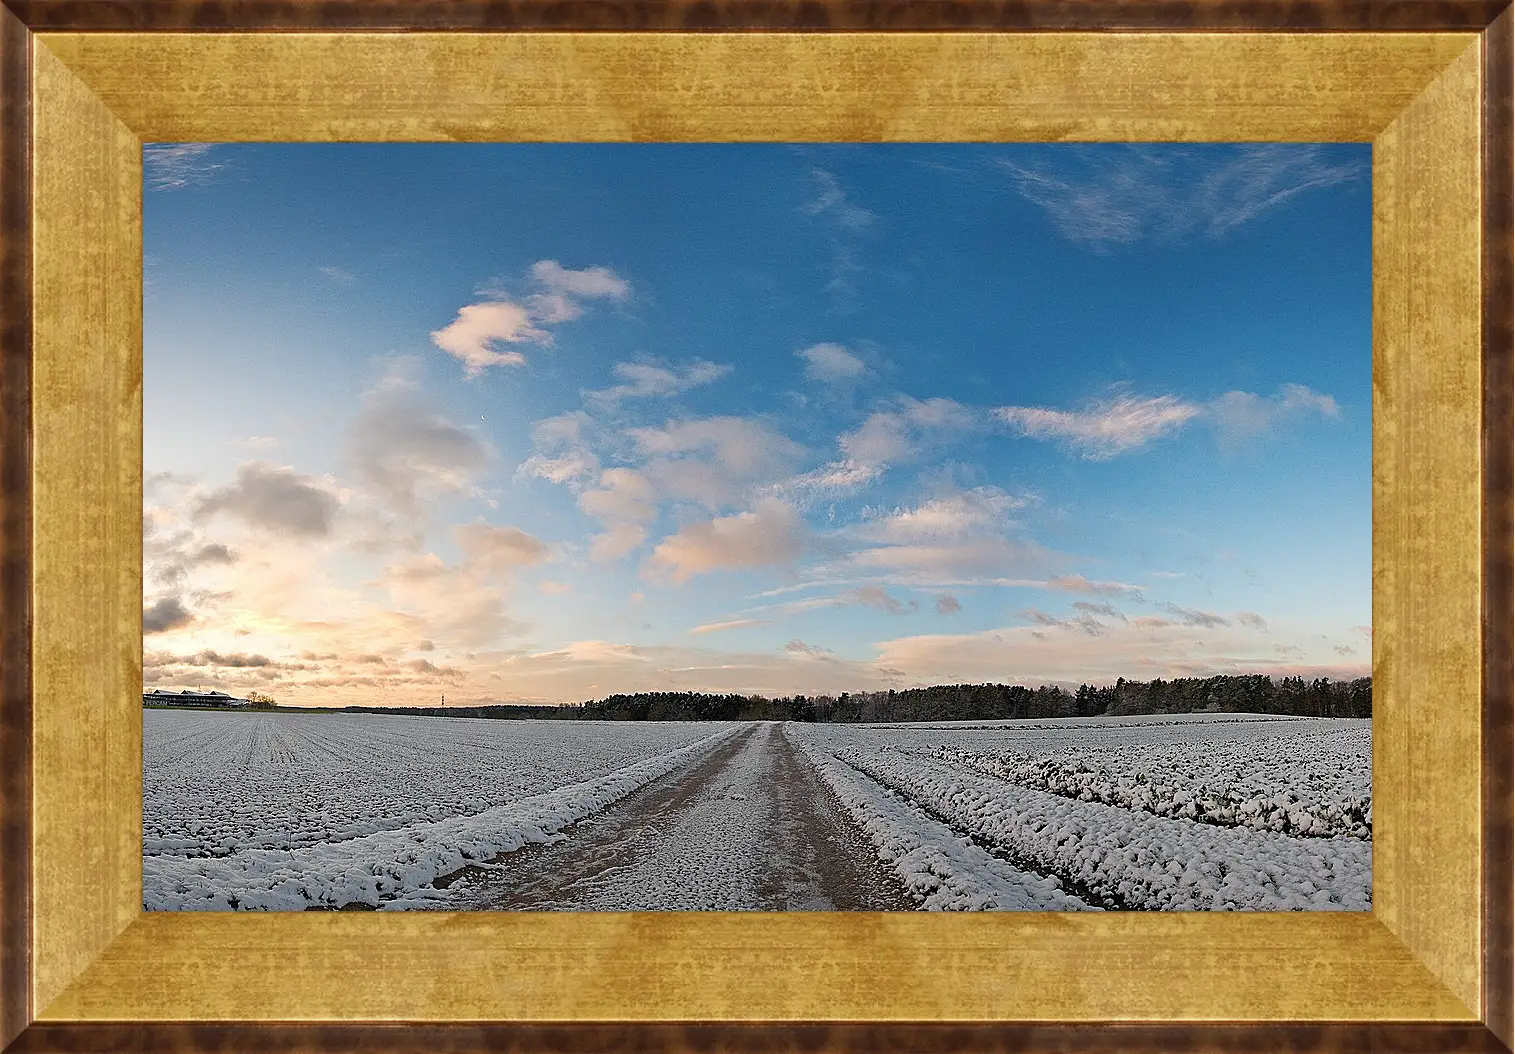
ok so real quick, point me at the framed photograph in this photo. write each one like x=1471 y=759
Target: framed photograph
x=755 y=526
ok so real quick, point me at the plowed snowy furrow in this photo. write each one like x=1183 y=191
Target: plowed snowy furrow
x=218 y=783
x=1134 y=859
x=941 y=870
x=394 y=868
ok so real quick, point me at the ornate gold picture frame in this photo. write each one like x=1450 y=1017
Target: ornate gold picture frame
x=86 y=83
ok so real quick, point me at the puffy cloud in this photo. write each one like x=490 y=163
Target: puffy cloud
x=831 y=364
x=169 y=560
x=906 y=427
x=646 y=380
x=563 y=452
x=1104 y=428
x=947 y=604
x=623 y=502
x=616 y=543
x=1240 y=416
x=589 y=283
x=472 y=336
x=883 y=438
x=624 y=495
x=713 y=460
x=770 y=535
x=403 y=448
x=1344 y=649
x=164 y=615
x=276 y=499
x=475 y=335
x=498 y=549
x=1252 y=620
x=811 y=651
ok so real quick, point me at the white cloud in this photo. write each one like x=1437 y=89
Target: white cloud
x=277 y=499
x=563 y=452
x=722 y=627
x=589 y=283
x=713 y=460
x=403 y=449
x=173 y=166
x=623 y=502
x=1103 y=196
x=1105 y=428
x=1080 y=584
x=617 y=542
x=498 y=549
x=1193 y=617
x=473 y=337
x=1240 y=416
x=1252 y=620
x=877 y=597
x=831 y=202
x=1086 y=649
x=904 y=429
x=969 y=559
x=831 y=364
x=950 y=516
x=831 y=480
x=647 y=380
x=770 y=535
x=624 y=495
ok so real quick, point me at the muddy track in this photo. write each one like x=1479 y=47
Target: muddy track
x=749 y=827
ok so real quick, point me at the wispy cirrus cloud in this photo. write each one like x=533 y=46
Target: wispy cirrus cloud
x=1112 y=196
x=1105 y=428
x=649 y=380
x=732 y=624
x=1123 y=422
x=848 y=223
x=174 y=166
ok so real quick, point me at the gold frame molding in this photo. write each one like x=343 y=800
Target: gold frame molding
x=1430 y=956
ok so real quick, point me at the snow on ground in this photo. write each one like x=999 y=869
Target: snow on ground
x=943 y=870
x=1222 y=812
x=294 y=810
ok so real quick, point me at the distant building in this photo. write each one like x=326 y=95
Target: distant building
x=158 y=697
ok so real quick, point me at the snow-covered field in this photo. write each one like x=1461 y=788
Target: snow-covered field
x=297 y=810
x=1201 y=812
x=1212 y=812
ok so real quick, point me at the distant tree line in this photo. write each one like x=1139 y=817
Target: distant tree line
x=1252 y=693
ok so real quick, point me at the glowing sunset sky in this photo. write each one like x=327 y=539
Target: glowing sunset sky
x=547 y=422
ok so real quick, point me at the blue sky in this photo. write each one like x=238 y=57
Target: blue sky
x=545 y=422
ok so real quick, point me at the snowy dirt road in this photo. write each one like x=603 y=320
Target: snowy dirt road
x=750 y=827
